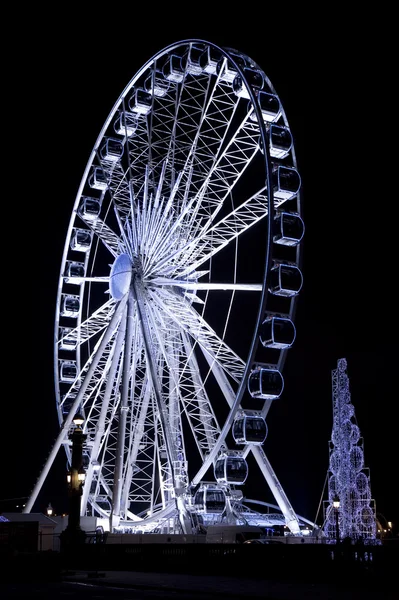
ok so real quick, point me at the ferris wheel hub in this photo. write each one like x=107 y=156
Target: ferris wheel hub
x=121 y=276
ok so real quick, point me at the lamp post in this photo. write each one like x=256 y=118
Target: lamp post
x=336 y=505
x=73 y=533
x=49 y=510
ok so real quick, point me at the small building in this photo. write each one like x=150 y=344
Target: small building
x=27 y=531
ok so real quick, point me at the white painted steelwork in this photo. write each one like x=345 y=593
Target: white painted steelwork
x=165 y=282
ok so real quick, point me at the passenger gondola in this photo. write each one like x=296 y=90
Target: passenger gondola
x=210 y=499
x=249 y=429
x=231 y=468
x=266 y=383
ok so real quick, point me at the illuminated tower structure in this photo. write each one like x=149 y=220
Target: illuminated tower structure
x=349 y=510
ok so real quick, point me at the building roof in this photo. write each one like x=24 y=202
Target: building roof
x=23 y=517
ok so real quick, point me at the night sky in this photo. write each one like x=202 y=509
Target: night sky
x=70 y=82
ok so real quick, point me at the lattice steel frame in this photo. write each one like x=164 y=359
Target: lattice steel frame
x=194 y=182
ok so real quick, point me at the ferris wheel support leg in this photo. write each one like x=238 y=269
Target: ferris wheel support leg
x=163 y=413
x=132 y=456
x=291 y=518
x=233 y=403
x=205 y=407
x=123 y=408
x=104 y=408
x=67 y=423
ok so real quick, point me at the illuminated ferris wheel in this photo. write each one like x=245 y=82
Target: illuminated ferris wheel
x=176 y=294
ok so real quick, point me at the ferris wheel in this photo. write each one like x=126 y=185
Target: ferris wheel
x=177 y=292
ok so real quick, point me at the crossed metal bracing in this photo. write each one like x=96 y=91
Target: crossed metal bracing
x=153 y=374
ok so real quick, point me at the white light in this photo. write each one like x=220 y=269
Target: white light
x=78 y=420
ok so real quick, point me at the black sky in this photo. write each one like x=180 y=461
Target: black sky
x=71 y=77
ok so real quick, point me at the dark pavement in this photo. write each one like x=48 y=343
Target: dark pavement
x=207 y=586
x=133 y=585
x=195 y=573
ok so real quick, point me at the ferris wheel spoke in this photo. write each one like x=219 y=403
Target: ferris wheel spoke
x=104 y=233
x=208 y=286
x=170 y=351
x=163 y=232
x=156 y=213
x=196 y=401
x=139 y=160
x=178 y=115
x=114 y=181
x=189 y=391
x=137 y=153
x=217 y=237
x=93 y=325
x=163 y=226
x=91 y=378
x=182 y=124
x=221 y=179
x=207 y=243
x=78 y=280
x=183 y=313
x=187 y=388
x=209 y=131
x=212 y=127
x=216 y=120
x=208 y=110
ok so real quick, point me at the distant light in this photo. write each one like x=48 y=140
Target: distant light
x=49 y=510
x=81 y=475
x=390 y=524
x=336 y=502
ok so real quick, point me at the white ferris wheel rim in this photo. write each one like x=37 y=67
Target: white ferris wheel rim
x=238 y=217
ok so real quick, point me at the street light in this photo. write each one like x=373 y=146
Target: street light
x=78 y=420
x=336 y=505
x=73 y=533
x=49 y=510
